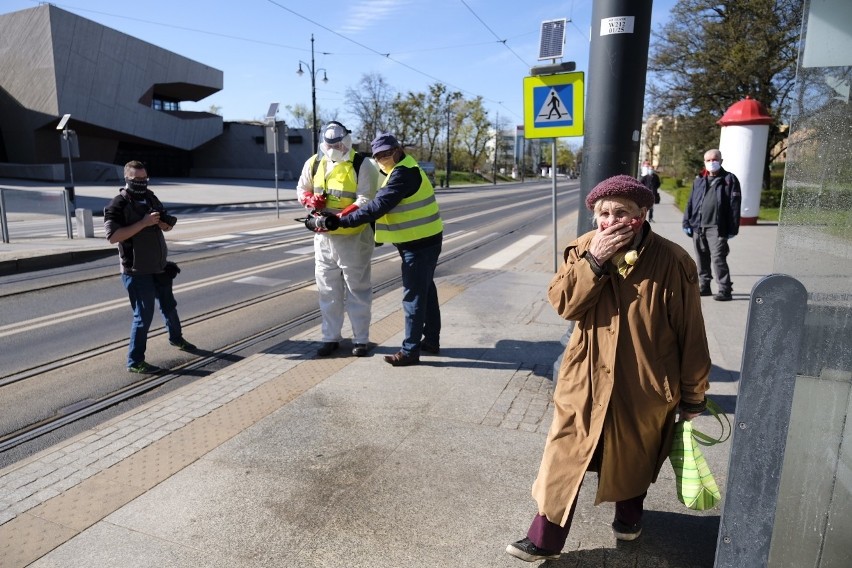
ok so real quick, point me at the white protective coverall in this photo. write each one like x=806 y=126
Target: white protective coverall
x=342 y=261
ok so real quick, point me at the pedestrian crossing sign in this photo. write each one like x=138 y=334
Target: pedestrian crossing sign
x=553 y=105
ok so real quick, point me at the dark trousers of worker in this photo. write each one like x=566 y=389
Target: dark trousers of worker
x=420 y=297
x=711 y=250
x=551 y=536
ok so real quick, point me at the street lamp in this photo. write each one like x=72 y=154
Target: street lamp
x=313 y=71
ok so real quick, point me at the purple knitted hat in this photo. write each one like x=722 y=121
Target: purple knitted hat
x=621 y=186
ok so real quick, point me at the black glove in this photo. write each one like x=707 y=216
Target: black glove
x=322 y=221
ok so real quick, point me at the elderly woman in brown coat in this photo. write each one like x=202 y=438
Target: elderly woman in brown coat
x=638 y=355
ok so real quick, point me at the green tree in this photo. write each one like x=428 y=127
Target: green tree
x=408 y=119
x=473 y=135
x=303 y=117
x=712 y=54
x=566 y=158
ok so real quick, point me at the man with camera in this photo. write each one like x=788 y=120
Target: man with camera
x=135 y=220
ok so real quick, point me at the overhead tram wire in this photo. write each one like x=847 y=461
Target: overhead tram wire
x=388 y=56
x=272 y=44
x=196 y=30
x=503 y=41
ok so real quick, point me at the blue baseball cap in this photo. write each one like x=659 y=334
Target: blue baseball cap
x=383 y=143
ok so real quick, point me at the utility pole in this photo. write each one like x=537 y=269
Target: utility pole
x=496 y=144
x=618 y=61
x=314 y=71
x=448 y=143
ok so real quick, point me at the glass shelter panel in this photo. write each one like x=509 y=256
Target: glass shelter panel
x=813 y=522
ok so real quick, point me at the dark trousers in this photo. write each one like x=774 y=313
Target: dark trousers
x=551 y=536
x=420 y=297
x=711 y=249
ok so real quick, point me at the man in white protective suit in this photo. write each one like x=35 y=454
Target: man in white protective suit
x=338 y=180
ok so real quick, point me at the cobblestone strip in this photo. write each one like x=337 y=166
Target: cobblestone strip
x=526 y=402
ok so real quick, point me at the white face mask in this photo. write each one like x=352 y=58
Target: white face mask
x=646 y=171
x=335 y=155
x=713 y=166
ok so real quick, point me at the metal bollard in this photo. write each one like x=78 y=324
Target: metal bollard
x=85 y=228
x=4 y=227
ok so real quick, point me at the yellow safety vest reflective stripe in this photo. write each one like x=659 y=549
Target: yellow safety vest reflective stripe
x=340 y=188
x=415 y=217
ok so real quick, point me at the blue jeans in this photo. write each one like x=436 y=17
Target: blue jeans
x=420 y=298
x=143 y=290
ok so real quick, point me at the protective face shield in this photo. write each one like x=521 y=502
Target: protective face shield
x=336 y=142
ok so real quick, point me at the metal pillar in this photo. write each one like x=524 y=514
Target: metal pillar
x=618 y=61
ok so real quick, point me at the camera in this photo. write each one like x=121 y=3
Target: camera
x=169 y=220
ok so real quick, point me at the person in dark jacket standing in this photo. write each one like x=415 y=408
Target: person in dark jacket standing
x=406 y=215
x=135 y=220
x=712 y=218
x=651 y=180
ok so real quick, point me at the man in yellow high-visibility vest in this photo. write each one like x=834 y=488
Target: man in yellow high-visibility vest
x=338 y=179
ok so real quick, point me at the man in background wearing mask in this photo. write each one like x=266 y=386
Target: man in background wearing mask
x=651 y=180
x=135 y=220
x=337 y=181
x=711 y=218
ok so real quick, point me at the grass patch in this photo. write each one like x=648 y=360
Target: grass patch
x=681 y=197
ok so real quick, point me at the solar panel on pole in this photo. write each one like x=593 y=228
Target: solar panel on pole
x=552 y=39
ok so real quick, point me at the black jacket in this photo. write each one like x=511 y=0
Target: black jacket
x=146 y=251
x=728 y=197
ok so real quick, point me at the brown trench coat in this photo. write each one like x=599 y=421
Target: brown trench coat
x=638 y=348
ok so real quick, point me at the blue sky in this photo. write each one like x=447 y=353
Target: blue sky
x=258 y=45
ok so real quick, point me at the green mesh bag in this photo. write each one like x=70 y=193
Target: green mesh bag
x=696 y=487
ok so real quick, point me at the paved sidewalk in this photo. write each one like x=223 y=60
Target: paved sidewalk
x=286 y=460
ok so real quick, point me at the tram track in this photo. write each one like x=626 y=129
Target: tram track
x=89 y=407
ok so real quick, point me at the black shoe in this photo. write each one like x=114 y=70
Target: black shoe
x=144 y=368
x=706 y=292
x=723 y=297
x=183 y=344
x=527 y=551
x=360 y=350
x=623 y=531
x=327 y=349
x=427 y=347
x=400 y=359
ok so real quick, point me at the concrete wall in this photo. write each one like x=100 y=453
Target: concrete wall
x=240 y=152
x=53 y=62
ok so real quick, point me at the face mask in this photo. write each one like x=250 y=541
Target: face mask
x=645 y=171
x=136 y=188
x=335 y=155
x=713 y=166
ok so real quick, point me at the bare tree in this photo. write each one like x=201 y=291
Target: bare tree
x=370 y=102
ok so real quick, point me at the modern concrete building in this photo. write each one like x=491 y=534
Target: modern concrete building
x=123 y=96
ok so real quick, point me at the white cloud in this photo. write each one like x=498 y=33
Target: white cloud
x=366 y=13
